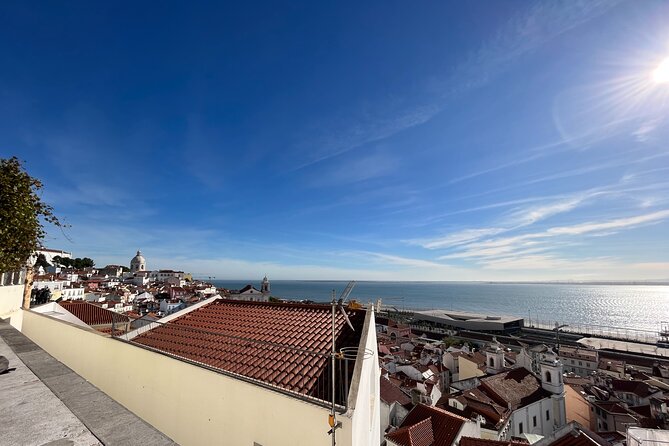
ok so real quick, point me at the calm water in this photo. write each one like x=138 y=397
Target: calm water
x=630 y=306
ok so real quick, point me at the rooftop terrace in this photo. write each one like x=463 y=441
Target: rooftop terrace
x=46 y=403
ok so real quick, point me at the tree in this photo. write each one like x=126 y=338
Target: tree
x=21 y=214
x=41 y=261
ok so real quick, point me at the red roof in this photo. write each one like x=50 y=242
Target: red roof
x=579 y=438
x=515 y=388
x=92 y=314
x=638 y=388
x=442 y=429
x=286 y=345
x=419 y=434
x=391 y=393
x=471 y=441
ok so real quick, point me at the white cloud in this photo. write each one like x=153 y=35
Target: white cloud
x=520 y=35
x=459 y=238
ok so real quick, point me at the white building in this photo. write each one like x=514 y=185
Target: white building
x=580 y=361
x=49 y=254
x=51 y=282
x=138 y=263
x=249 y=293
x=72 y=293
x=521 y=402
x=165 y=275
x=11 y=292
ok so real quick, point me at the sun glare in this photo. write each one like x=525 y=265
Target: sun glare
x=661 y=73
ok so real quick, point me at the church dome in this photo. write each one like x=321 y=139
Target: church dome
x=138 y=263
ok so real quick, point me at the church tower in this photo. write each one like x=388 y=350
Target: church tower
x=551 y=380
x=494 y=357
x=551 y=373
x=264 y=288
x=138 y=263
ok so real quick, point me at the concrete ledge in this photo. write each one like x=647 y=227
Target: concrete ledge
x=102 y=417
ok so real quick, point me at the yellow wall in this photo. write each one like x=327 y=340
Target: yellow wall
x=577 y=407
x=468 y=369
x=190 y=404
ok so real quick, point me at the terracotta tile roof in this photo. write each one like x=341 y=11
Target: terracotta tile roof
x=471 y=441
x=92 y=314
x=419 y=434
x=391 y=393
x=639 y=388
x=286 y=345
x=515 y=388
x=580 y=438
x=441 y=431
x=611 y=407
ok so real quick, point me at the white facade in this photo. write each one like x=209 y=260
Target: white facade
x=49 y=254
x=12 y=285
x=545 y=416
x=580 y=361
x=73 y=293
x=138 y=263
x=164 y=275
x=52 y=285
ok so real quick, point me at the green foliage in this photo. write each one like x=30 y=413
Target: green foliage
x=41 y=261
x=450 y=342
x=21 y=214
x=77 y=263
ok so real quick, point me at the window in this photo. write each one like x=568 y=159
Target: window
x=492 y=362
x=580 y=363
x=520 y=428
x=548 y=376
x=548 y=415
x=534 y=421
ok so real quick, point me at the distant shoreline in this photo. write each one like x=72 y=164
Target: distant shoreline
x=483 y=282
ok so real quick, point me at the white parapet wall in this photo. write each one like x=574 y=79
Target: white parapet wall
x=11 y=298
x=191 y=404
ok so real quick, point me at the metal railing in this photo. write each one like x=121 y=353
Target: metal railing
x=618 y=333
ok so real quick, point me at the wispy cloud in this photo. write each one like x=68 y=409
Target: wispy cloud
x=524 y=249
x=366 y=168
x=461 y=237
x=519 y=36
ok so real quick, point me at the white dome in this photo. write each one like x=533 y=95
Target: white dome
x=138 y=263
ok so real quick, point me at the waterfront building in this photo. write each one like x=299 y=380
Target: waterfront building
x=580 y=361
x=458 y=320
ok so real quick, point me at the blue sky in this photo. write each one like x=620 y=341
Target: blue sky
x=491 y=140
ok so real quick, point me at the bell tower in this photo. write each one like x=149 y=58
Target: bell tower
x=265 y=287
x=551 y=373
x=494 y=357
x=551 y=380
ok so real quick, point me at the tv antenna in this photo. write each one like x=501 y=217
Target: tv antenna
x=337 y=305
